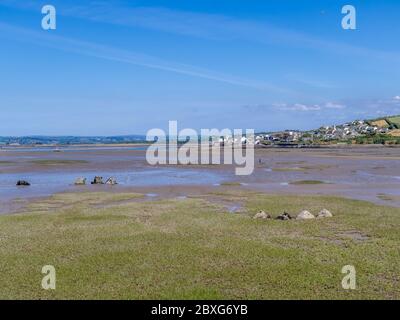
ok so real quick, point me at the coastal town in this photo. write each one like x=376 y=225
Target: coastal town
x=385 y=131
x=377 y=131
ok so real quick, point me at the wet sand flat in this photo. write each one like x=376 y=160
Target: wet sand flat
x=365 y=173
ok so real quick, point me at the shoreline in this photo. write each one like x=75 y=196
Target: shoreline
x=128 y=145
x=161 y=193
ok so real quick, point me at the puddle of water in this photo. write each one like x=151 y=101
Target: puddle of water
x=234 y=208
x=151 y=195
x=72 y=149
x=374 y=176
x=354 y=235
x=48 y=183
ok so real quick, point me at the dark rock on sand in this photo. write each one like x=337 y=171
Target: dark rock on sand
x=23 y=183
x=97 y=180
x=284 y=216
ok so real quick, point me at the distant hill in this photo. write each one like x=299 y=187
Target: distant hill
x=70 y=140
x=391 y=122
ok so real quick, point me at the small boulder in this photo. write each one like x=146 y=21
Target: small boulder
x=305 y=215
x=23 y=183
x=324 y=214
x=284 y=216
x=80 y=181
x=262 y=215
x=111 y=181
x=97 y=180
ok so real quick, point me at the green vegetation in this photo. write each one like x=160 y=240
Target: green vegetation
x=319 y=167
x=288 y=169
x=385 y=197
x=290 y=162
x=394 y=121
x=302 y=182
x=117 y=246
x=58 y=162
x=6 y=162
x=388 y=197
x=377 y=139
x=231 y=184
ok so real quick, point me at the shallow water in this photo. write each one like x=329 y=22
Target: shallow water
x=359 y=174
x=47 y=183
x=72 y=149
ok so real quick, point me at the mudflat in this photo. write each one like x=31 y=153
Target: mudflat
x=366 y=173
x=188 y=232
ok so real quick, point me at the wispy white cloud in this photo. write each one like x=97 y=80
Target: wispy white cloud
x=371 y=107
x=333 y=105
x=216 y=26
x=203 y=25
x=284 y=107
x=129 y=57
x=309 y=107
x=300 y=107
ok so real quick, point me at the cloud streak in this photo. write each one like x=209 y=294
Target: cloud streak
x=354 y=106
x=134 y=58
x=202 y=25
x=299 y=107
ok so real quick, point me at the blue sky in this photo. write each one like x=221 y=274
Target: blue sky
x=124 y=67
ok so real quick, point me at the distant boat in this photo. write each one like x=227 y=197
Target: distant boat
x=57 y=150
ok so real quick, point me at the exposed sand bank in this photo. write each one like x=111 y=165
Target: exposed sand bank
x=367 y=173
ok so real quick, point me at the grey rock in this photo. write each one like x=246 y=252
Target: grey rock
x=97 y=180
x=324 y=214
x=111 y=181
x=305 y=215
x=80 y=181
x=262 y=215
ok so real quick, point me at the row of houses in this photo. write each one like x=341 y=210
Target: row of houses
x=345 y=131
x=351 y=130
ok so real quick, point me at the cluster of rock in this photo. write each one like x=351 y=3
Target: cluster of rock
x=96 y=180
x=303 y=215
x=23 y=183
x=78 y=182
